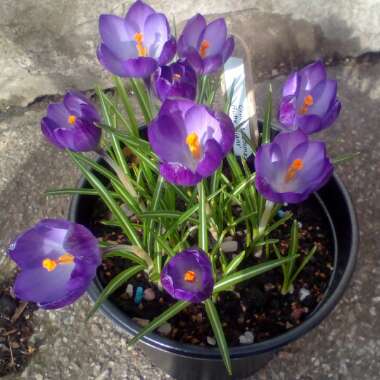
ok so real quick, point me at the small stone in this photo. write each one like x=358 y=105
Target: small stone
x=297 y=313
x=149 y=294
x=211 y=341
x=247 y=338
x=229 y=246
x=129 y=290
x=38 y=377
x=127 y=211
x=303 y=293
x=269 y=286
x=280 y=213
x=165 y=329
x=141 y=322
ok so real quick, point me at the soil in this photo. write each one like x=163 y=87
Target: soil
x=257 y=306
x=16 y=327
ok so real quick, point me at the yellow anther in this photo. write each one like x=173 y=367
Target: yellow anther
x=190 y=276
x=49 y=264
x=293 y=168
x=192 y=141
x=203 y=48
x=66 y=259
x=141 y=49
x=71 y=119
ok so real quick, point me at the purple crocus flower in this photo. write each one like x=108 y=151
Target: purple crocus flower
x=190 y=139
x=206 y=47
x=290 y=168
x=71 y=124
x=135 y=45
x=58 y=260
x=309 y=100
x=176 y=80
x=188 y=276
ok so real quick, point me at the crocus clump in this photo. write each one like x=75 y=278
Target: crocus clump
x=206 y=47
x=191 y=140
x=135 y=45
x=58 y=260
x=188 y=276
x=309 y=100
x=177 y=80
x=71 y=124
x=290 y=168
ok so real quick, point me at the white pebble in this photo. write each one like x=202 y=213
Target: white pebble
x=229 y=246
x=165 y=329
x=149 y=294
x=211 y=341
x=141 y=322
x=129 y=290
x=303 y=293
x=247 y=338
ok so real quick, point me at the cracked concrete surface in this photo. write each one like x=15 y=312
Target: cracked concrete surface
x=282 y=36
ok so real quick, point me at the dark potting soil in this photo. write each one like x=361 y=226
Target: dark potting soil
x=16 y=327
x=256 y=306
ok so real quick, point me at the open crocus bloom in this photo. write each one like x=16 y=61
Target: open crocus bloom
x=135 y=45
x=58 y=260
x=188 y=276
x=206 y=47
x=190 y=139
x=71 y=124
x=290 y=168
x=309 y=100
x=174 y=81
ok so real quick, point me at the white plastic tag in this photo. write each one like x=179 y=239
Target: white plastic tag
x=234 y=76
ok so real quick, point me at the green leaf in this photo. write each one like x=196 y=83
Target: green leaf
x=108 y=200
x=278 y=223
x=125 y=255
x=122 y=92
x=293 y=246
x=303 y=264
x=246 y=274
x=344 y=158
x=202 y=231
x=155 y=201
x=267 y=117
x=142 y=98
x=113 y=285
x=217 y=328
x=234 y=263
x=165 y=246
x=73 y=191
x=160 y=320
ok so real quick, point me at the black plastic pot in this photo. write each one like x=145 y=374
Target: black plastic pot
x=184 y=361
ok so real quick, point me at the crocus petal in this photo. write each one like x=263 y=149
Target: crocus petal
x=213 y=156
x=325 y=95
x=168 y=51
x=215 y=34
x=179 y=175
x=311 y=75
x=194 y=59
x=111 y=62
x=48 y=127
x=228 y=48
x=291 y=85
x=77 y=104
x=140 y=67
x=332 y=115
x=287 y=112
x=212 y=64
x=308 y=123
x=114 y=35
x=83 y=137
x=137 y=15
x=58 y=113
x=156 y=33
x=190 y=36
x=227 y=130
x=288 y=141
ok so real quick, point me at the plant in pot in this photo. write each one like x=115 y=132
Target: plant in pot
x=214 y=261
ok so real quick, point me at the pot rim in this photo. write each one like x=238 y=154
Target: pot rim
x=153 y=340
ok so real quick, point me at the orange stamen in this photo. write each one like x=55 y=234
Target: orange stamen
x=293 y=169
x=192 y=141
x=190 y=276
x=141 y=49
x=71 y=119
x=50 y=264
x=203 y=48
x=307 y=102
